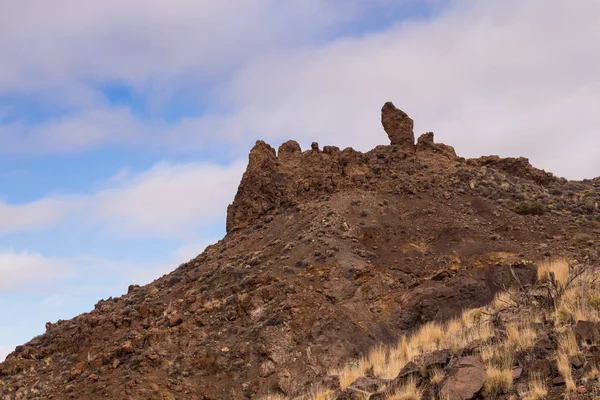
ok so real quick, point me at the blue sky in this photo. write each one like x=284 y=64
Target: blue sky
x=125 y=126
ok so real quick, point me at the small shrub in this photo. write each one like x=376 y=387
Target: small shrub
x=526 y=208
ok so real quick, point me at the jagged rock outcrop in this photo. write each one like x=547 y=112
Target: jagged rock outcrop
x=398 y=125
x=425 y=143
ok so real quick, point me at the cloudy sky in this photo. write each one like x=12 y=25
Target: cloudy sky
x=125 y=126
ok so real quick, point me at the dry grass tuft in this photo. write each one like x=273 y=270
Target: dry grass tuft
x=567 y=346
x=321 y=394
x=520 y=335
x=489 y=353
x=579 y=301
x=427 y=338
x=273 y=397
x=499 y=360
x=559 y=268
x=352 y=372
x=437 y=375
x=499 y=380
x=567 y=343
x=564 y=368
x=377 y=358
x=407 y=392
x=592 y=374
x=504 y=300
x=536 y=389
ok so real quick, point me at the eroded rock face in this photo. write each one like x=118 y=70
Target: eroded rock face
x=289 y=149
x=426 y=142
x=398 y=125
x=262 y=187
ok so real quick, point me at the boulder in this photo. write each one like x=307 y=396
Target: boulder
x=369 y=384
x=465 y=379
x=587 y=332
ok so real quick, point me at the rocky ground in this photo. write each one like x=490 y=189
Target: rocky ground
x=330 y=254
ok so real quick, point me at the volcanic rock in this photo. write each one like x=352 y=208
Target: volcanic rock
x=465 y=380
x=398 y=125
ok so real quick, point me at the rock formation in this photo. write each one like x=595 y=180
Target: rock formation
x=328 y=253
x=398 y=125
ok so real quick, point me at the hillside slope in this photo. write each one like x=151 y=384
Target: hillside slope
x=328 y=252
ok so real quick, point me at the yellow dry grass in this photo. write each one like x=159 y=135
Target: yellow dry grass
x=407 y=392
x=504 y=300
x=498 y=380
x=377 y=358
x=432 y=336
x=499 y=360
x=557 y=267
x=520 y=335
x=489 y=353
x=352 y=372
x=593 y=374
x=427 y=338
x=321 y=394
x=536 y=389
x=564 y=368
x=580 y=301
x=567 y=343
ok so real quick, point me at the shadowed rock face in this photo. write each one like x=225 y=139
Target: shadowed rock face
x=398 y=125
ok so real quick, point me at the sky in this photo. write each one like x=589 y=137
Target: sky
x=125 y=127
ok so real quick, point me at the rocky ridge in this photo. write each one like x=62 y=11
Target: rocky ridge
x=328 y=252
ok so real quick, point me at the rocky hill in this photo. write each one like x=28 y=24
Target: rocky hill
x=334 y=257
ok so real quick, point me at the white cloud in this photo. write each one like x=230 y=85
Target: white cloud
x=59 y=55
x=147 y=39
x=79 y=131
x=31 y=216
x=169 y=200
x=24 y=269
x=5 y=350
x=512 y=77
